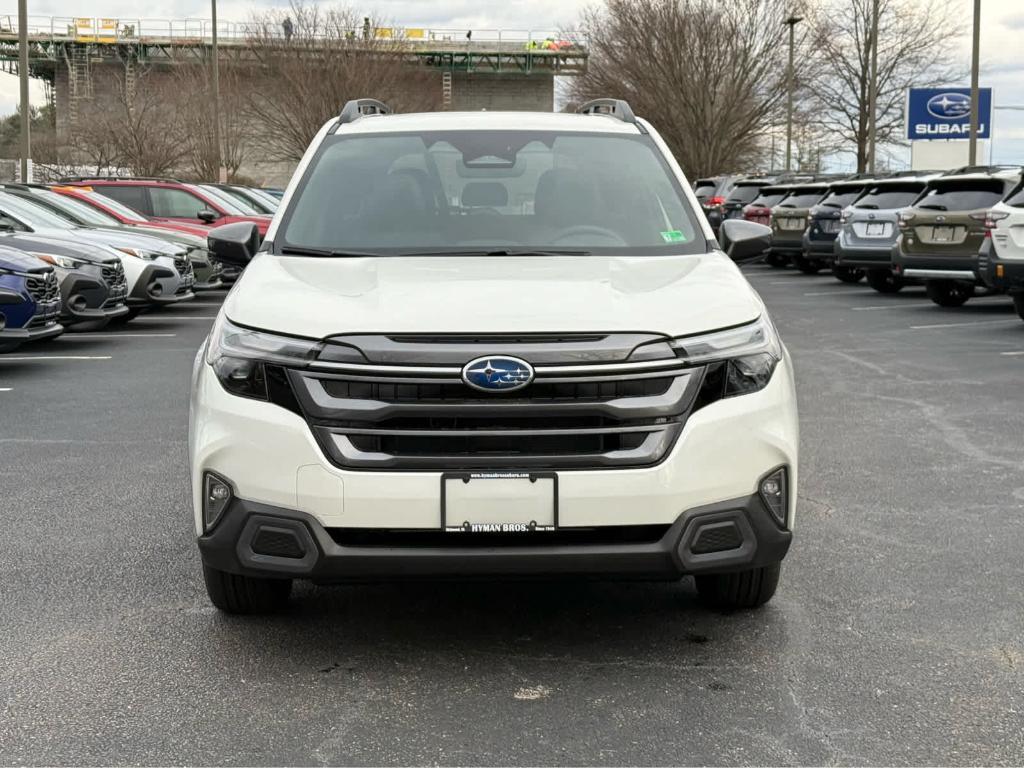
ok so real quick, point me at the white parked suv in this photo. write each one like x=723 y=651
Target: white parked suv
x=492 y=345
x=1001 y=261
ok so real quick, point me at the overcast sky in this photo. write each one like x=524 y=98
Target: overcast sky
x=1002 y=53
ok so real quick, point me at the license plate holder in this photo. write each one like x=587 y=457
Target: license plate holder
x=942 y=234
x=875 y=229
x=499 y=502
x=830 y=226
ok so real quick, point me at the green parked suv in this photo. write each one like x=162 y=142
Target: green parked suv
x=941 y=234
x=789 y=220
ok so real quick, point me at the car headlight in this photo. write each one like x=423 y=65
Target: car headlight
x=139 y=253
x=240 y=356
x=65 y=262
x=739 y=360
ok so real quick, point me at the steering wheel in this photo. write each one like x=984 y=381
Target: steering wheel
x=588 y=229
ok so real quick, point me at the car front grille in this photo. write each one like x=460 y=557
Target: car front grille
x=587 y=406
x=117 y=284
x=43 y=286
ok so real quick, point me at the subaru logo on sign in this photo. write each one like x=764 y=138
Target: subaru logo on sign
x=949 y=106
x=497 y=373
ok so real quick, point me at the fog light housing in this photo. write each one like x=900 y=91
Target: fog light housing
x=217 y=495
x=774 y=492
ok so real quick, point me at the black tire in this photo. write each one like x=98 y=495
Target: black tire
x=1018 y=304
x=232 y=593
x=884 y=281
x=807 y=265
x=743 y=589
x=948 y=293
x=776 y=260
x=848 y=274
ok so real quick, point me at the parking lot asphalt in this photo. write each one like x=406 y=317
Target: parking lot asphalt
x=896 y=637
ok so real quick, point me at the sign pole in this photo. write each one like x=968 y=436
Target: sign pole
x=26 y=110
x=975 y=100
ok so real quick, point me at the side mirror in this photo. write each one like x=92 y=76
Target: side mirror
x=207 y=216
x=234 y=244
x=744 y=240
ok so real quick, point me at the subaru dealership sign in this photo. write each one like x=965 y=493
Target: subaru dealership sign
x=945 y=113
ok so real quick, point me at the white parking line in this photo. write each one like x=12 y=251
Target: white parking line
x=1012 y=354
x=962 y=325
x=892 y=306
x=837 y=292
x=5 y=389
x=175 y=317
x=70 y=336
x=23 y=358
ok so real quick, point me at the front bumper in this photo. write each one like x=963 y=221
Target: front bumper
x=274 y=463
x=34 y=333
x=159 y=285
x=100 y=307
x=237 y=544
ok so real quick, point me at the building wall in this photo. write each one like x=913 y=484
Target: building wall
x=475 y=91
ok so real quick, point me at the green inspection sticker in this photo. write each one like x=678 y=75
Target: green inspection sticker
x=673 y=236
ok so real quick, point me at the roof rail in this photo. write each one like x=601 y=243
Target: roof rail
x=98 y=177
x=356 y=108
x=990 y=169
x=617 y=108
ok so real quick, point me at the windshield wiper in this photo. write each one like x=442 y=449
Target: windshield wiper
x=869 y=206
x=504 y=252
x=324 y=252
x=934 y=207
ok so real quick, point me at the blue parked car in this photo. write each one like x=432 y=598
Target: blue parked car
x=29 y=300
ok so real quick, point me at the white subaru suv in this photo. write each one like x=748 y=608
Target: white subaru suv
x=491 y=345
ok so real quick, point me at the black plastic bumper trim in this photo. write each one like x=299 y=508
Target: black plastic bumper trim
x=228 y=547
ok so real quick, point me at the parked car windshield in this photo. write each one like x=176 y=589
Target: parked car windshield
x=225 y=203
x=30 y=214
x=962 y=197
x=800 y=199
x=122 y=210
x=77 y=212
x=227 y=199
x=488 y=191
x=890 y=197
x=743 y=193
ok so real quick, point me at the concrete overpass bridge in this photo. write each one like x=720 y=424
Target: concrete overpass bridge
x=84 y=58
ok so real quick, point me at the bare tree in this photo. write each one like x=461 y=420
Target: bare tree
x=710 y=74
x=190 y=86
x=327 y=57
x=914 y=39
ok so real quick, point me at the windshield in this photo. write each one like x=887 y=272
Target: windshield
x=268 y=200
x=79 y=212
x=887 y=198
x=32 y=214
x=119 y=208
x=227 y=198
x=473 y=191
x=223 y=201
x=962 y=197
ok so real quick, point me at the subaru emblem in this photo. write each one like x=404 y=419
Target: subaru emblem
x=497 y=373
x=949 y=106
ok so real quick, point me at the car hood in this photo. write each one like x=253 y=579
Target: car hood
x=18 y=261
x=318 y=297
x=184 y=239
x=114 y=238
x=95 y=254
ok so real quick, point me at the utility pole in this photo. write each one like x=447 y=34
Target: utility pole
x=791 y=22
x=26 y=111
x=873 y=98
x=975 y=98
x=215 y=93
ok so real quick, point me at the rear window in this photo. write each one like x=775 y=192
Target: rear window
x=743 y=194
x=1016 y=199
x=133 y=196
x=840 y=198
x=800 y=199
x=962 y=197
x=705 y=188
x=768 y=199
x=889 y=197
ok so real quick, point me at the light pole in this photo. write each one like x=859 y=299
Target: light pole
x=972 y=158
x=873 y=98
x=23 y=77
x=215 y=94
x=791 y=22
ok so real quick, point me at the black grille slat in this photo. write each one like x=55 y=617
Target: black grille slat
x=43 y=287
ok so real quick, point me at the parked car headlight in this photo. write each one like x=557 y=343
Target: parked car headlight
x=139 y=253
x=240 y=356
x=739 y=360
x=65 y=262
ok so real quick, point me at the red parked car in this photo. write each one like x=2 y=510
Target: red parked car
x=126 y=215
x=172 y=201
